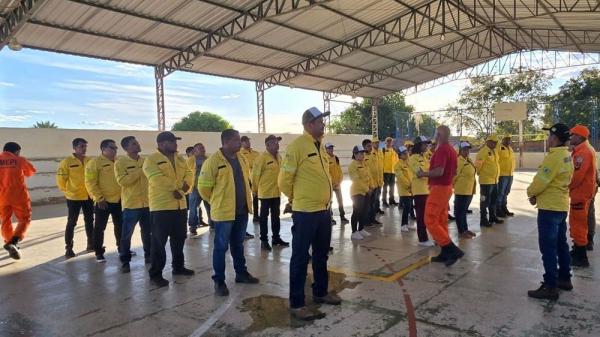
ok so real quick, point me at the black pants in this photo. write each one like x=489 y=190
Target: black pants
x=116 y=214
x=167 y=225
x=591 y=222
x=269 y=205
x=371 y=207
x=420 y=201
x=461 y=205
x=487 y=203
x=74 y=207
x=389 y=182
x=255 y=210
x=340 y=201
x=360 y=204
x=406 y=203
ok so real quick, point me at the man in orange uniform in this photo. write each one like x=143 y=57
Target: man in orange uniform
x=442 y=169
x=581 y=191
x=14 y=197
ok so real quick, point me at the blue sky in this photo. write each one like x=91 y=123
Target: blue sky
x=85 y=93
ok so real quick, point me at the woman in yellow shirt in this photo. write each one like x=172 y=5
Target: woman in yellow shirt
x=403 y=182
x=359 y=175
x=420 y=187
x=464 y=188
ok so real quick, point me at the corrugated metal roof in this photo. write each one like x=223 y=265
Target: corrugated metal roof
x=322 y=46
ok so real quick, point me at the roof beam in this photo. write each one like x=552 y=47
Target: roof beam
x=264 y=9
x=16 y=18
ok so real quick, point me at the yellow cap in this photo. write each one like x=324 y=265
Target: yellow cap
x=375 y=139
x=492 y=137
x=387 y=139
x=408 y=143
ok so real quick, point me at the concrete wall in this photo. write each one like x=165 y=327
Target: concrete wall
x=46 y=147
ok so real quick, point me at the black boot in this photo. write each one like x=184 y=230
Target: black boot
x=483 y=222
x=500 y=212
x=454 y=253
x=581 y=259
x=590 y=245
x=544 y=293
x=442 y=256
x=507 y=212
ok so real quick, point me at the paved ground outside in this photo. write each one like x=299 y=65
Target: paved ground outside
x=388 y=286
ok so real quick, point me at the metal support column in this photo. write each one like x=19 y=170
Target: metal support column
x=326 y=108
x=160 y=98
x=260 y=106
x=374 y=116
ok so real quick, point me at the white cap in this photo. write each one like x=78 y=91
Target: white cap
x=358 y=148
x=312 y=114
x=402 y=149
x=462 y=145
x=328 y=145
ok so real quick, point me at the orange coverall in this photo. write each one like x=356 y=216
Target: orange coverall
x=581 y=191
x=14 y=197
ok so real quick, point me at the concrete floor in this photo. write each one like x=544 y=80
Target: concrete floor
x=387 y=284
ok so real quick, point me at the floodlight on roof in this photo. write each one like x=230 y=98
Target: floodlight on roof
x=443 y=37
x=14 y=45
x=188 y=65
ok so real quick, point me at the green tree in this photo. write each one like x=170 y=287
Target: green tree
x=576 y=100
x=475 y=105
x=202 y=121
x=395 y=119
x=45 y=125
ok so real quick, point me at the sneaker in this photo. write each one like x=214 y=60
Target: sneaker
x=183 y=271
x=125 y=268
x=356 y=236
x=193 y=232
x=306 y=314
x=565 y=285
x=464 y=235
x=249 y=236
x=100 y=258
x=246 y=278
x=159 y=281
x=364 y=233
x=279 y=242
x=69 y=253
x=264 y=245
x=427 y=243
x=328 y=299
x=412 y=227
x=404 y=228
x=344 y=221
x=544 y=293
x=13 y=251
x=221 y=289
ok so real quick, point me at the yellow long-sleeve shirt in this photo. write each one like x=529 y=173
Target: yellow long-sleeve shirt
x=419 y=186
x=506 y=160
x=70 y=178
x=379 y=156
x=133 y=182
x=372 y=165
x=335 y=171
x=216 y=184
x=550 y=184
x=403 y=178
x=100 y=180
x=304 y=177
x=165 y=177
x=464 y=180
x=264 y=176
x=390 y=158
x=359 y=176
x=487 y=166
x=250 y=156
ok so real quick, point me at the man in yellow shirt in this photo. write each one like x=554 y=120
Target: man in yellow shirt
x=376 y=155
x=486 y=163
x=390 y=158
x=550 y=192
x=371 y=161
x=169 y=179
x=264 y=184
x=101 y=183
x=250 y=155
x=225 y=183
x=506 y=161
x=337 y=176
x=403 y=180
x=304 y=178
x=134 y=200
x=70 y=179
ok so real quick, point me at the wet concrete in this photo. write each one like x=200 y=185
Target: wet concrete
x=386 y=283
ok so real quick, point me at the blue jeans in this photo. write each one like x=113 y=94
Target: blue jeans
x=461 y=205
x=504 y=186
x=130 y=217
x=229 y=234
x=309 y=229
x=552 y=239
x=195 y=212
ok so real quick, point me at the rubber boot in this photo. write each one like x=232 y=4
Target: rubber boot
x=581 y=259
x=442 y=256
x=454 y=253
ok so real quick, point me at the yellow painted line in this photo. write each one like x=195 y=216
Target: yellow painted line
x=391 y=278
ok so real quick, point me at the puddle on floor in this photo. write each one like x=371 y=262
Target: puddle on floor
x=269 y=311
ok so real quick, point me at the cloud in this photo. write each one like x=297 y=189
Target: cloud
x=117 y=126
x=14 y=118
x=230 y=96
x=6 y=84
